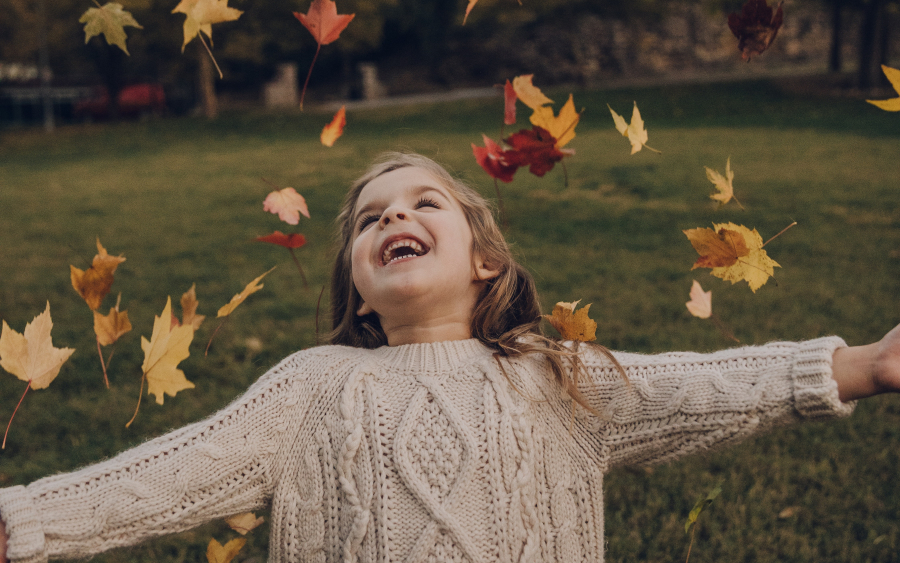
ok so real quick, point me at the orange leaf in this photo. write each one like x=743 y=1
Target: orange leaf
x=112 y=326
x=95 y=283
x=31 y=356
x=243 y=523
x=293 y=240
x=571 y=324
x=700 y=304
x=333 y=130
x=323 y=21
x=469 y=9
x=717 y=248
x=251 y=288
x=217 y=553
x=287 y=204
x=189 y=305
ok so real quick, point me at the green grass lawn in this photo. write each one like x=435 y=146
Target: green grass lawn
x=182 y=200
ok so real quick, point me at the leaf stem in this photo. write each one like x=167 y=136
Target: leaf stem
x=299 y=268
x=311 y=65
x=691 y=544
x=27 y=387
x=739 y=203
x=200 y=35
x=102 y=363
x=722 y=328
x=215 y=332
x=140 y=396
x=781 y=232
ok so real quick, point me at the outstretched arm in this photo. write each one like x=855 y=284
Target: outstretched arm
x=863 y=371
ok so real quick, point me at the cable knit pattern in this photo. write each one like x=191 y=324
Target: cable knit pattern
x=422 y=453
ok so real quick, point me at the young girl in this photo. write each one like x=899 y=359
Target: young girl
x=438 y=426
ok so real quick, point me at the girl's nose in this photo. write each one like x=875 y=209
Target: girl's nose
x=392 y=214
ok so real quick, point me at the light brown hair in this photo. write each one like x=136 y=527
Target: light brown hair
x=507 y=316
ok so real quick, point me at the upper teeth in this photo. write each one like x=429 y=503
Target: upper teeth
x=408 y=243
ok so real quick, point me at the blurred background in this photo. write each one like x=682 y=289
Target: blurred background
x=48 y=75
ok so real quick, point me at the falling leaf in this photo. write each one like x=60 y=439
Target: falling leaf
x=492 y=158
x=31 y=356
x=293 y=240
x=756 y=27
x=700 y=304
x=325 y=25
x=251 y=288
x=287 y=204
x=701 y=505
x=166 y=348
x=717 y=247
x=189 y=303
x=722 y=183
x=892 y=104
x=571 y=324
x=528 y=93
x=216 y=553
x=95 y=283
x=110 y=20
x=243 y=523
x=111 y=327
x=535 y=148
x=788 y=512
x=634 y=131
x=509 y=103
x=469 y=9
x=201 y=14
x=333 y=130
x=734 y=252
x=562 y=126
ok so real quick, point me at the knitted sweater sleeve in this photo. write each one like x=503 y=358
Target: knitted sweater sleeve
x=204 y=471
x=678 y=403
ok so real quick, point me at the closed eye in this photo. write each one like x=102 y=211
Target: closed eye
x=366 y=220
x=427 y=202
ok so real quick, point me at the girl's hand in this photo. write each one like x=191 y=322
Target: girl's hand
x=863 y=371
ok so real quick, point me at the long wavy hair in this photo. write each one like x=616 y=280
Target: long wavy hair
x=507 y=316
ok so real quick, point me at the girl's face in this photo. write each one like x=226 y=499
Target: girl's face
x=411 y=254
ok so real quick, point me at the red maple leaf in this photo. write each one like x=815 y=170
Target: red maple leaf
x=756 y=26
x=493 y=159
x=509 y=105
x=323 y=21
x=535 y=148
x=293 y=240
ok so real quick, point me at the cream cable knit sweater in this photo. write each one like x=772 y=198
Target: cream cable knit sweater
x=422 y=452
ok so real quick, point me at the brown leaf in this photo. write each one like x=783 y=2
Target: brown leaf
x=189 y=305
x=756 y=27
x=95 y=283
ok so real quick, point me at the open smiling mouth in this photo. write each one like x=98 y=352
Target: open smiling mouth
x=403 y=248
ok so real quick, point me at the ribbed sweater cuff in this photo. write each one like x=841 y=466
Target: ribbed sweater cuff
x=815 y=390
x=26 y=535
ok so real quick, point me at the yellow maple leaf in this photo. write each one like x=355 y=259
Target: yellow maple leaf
x=572 y=324
x=189 y=305
x=634 y=131
x=109 y=328
x=31 y=356
x=110 y=20
x=167 y=347
x=562 y=126
x=217 y=553
x=251 y=288
x=243 y=523
x=528 y=93
x=723 y=183
x=755 y=267
x=94 y=283
x=700 y=304
x=892 y=104
x=201 y=14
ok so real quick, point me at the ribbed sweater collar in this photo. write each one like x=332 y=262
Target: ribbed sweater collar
x=432 y=358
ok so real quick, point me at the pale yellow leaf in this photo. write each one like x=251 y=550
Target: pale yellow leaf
x=31 y=356
x=528 y=93
x=700 y=304
x=166 y=348
x=251 y=288
x=243 y=523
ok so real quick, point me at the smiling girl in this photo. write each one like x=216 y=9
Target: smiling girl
x=438 y=425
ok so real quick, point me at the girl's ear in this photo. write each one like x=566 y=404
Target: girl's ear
x=483 y=271
x=364 y=310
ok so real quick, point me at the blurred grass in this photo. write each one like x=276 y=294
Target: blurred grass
x=181 y=199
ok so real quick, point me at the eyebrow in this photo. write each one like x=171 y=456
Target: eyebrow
x=414 y=191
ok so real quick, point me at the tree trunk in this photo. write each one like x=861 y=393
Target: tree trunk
x=207 y=79
x=837 y=22
x=872 y=15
